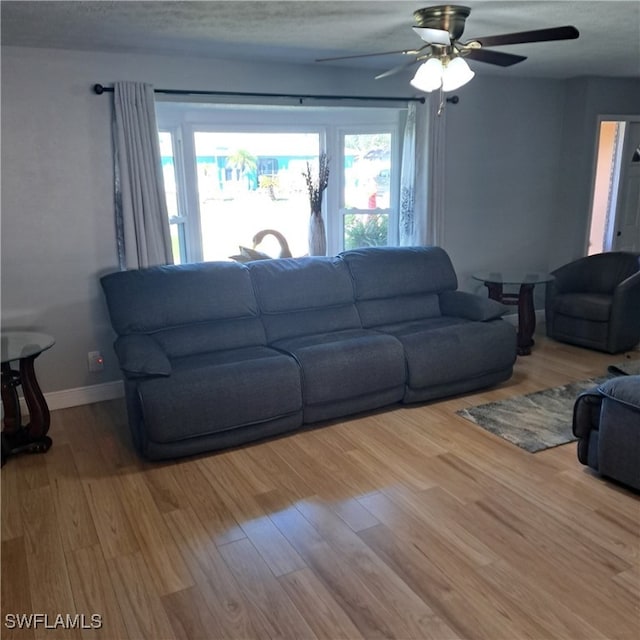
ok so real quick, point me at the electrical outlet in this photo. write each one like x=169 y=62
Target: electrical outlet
x=95 y=360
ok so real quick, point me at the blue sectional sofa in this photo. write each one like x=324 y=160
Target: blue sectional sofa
x=218 y=354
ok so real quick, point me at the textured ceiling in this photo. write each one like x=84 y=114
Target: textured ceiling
x=609 y=43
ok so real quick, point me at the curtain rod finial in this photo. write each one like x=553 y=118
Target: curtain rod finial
x=98 y=89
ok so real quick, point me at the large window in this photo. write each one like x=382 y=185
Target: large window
x=231 y=172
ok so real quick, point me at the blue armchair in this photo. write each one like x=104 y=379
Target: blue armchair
x=594 y=302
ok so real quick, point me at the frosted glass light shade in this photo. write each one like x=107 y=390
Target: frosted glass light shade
x=428 y=76
x=456 y=74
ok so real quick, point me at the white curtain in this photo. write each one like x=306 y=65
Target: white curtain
x=142 y=222
x=422 y=174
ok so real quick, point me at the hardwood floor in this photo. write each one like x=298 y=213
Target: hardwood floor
x=405 y=523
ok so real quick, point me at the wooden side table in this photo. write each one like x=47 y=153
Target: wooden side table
x=495 y=280
x=23 y=347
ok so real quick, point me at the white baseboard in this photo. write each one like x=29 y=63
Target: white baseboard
x=80 y=395
x=85 y=395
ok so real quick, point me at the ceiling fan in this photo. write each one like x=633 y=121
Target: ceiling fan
x=441 y=28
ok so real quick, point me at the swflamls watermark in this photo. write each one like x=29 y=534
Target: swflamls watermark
x=57 y=621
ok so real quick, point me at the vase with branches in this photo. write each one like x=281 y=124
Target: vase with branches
x=316 y=186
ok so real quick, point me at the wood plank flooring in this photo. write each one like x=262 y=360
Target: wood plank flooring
x=405 y=523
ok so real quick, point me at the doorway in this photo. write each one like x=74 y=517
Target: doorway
x=615 y=209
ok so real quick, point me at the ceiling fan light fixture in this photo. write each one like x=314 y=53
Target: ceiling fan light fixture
x=441 y=28
x=456 y=74
x=428 y=76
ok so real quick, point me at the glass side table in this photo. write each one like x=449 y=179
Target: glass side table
x=494 y=281
x=23 y=347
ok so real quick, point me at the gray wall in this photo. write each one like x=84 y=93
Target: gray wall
x=506 y=147
x=502 y=158
x=584 y=101
x=520 y=157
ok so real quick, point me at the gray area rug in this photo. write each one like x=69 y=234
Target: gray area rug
x=539 y=420
x=626 y=368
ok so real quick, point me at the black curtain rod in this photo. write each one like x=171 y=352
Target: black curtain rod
x=100 y=89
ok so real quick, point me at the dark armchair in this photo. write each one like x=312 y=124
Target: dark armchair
x=594 y=302
x=606 y=421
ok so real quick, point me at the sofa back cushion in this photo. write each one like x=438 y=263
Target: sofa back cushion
x=399 y=284
x=304 y=296
x=188 y=309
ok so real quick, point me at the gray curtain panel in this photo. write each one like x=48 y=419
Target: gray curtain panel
x=142 y=222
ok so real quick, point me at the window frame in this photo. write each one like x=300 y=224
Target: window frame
x=332 y=124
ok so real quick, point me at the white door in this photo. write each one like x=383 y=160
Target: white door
x=626 y=231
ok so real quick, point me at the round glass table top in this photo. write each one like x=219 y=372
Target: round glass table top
x=15 y=345
x=513 y=277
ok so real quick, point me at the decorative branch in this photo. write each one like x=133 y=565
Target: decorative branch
x=316 y=188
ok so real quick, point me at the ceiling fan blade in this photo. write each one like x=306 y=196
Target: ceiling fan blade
x=398 y=69
x=538 y=35
x=408 y=52
x=434 y=36
x=494 y=57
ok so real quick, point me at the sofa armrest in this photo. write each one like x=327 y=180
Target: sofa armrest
x=140 y=356
x=619 y=439
x=629 y=285
x=470 y=306
x=625 y=310
x=623 y=389
x=586 y=422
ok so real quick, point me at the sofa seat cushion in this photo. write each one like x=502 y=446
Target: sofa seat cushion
x=581 y=331
x=215 y=392
x=340 y=365
x=589 y=306
x=447 y=349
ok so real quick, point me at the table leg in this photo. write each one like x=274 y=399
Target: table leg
x=10 y=401
x=495 y=290
x=33 y=437
x=526 y=319
x=37 y=405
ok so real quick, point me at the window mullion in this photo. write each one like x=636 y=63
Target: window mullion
x=192 y=206
x=333 y=204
